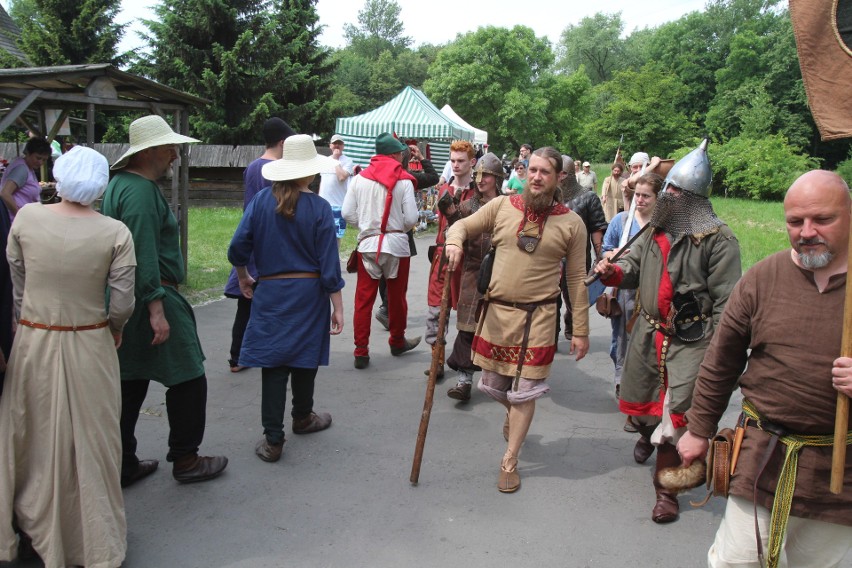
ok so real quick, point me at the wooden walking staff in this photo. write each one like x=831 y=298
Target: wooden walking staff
x=437 y=357
x=841 y=417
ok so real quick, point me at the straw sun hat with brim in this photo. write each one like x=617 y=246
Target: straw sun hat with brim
x=300 y=159
x=147 y=132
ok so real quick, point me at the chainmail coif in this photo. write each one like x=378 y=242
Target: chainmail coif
x=687 y=214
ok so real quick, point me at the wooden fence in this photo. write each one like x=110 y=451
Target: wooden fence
x=215 y=172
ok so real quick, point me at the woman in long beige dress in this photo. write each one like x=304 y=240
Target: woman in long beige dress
x=611 y=193
x=60 y=447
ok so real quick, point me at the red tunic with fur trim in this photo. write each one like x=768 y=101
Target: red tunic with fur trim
x=524 y=277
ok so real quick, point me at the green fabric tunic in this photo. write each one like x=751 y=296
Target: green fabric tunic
x=138 y=203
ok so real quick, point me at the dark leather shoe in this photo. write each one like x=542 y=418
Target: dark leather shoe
x=408 y=346
x=667 y=508
x=460 y=392
x=362 y=361
x=643 y=450
x=144 y=469
x=382 y=318
x=313 y=422
x=268 y=452
x=195 y=468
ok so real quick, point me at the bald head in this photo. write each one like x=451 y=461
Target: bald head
x=817 y=211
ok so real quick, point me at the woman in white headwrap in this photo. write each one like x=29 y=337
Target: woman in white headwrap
x=60 y=447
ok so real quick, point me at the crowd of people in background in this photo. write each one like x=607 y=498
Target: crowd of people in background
x=511 y=248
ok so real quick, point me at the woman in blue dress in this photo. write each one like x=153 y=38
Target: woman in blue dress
x=292 y=235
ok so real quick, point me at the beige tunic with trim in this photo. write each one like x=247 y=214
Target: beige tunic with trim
x=522 y=277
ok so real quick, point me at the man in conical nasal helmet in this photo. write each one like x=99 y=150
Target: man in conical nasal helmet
x=684 y=267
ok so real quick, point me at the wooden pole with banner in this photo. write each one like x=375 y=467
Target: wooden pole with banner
x=825 y=58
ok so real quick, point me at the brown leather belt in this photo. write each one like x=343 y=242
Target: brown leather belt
x=167 y=283
x=282 y=275
x=63 y=327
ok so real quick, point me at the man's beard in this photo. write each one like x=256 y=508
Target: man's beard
x=538 y=202
x=813 y=260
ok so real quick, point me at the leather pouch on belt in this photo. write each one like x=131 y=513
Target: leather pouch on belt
x=718 y=466
x=689 y=323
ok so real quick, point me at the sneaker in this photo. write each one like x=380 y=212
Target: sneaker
x=460 y=392
x=408 y=346
x=382 y=317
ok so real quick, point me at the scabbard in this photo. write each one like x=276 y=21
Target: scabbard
x=739 y=434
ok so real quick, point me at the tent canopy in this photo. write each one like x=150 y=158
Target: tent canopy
x=410 y=114
x=479 y=137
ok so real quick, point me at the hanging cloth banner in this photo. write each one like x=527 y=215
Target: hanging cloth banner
x=823 y=30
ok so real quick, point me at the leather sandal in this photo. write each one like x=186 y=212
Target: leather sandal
x=144 y=469
x=509 y=481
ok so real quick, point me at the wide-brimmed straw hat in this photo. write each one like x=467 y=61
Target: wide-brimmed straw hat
x=300 y=159
x=147 y=132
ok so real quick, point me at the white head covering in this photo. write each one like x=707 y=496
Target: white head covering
x=81 y=175
x=639 y=158
x=300 y=159
x=147 y=132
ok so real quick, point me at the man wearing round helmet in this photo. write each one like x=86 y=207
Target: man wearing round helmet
x=488 y=177
x=684 y=269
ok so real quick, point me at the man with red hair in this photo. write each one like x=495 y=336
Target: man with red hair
x=460 y=187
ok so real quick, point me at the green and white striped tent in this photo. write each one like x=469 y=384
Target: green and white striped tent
x=410 y=114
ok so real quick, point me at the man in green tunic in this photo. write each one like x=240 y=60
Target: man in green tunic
x=160 y=339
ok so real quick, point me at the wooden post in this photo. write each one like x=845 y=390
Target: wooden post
x=841 y=418
x=437 y=357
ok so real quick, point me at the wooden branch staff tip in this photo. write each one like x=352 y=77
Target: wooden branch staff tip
x=437 y=357
x=841 y=418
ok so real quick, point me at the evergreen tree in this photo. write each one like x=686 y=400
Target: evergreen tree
x=251 y=58
x=62 y=32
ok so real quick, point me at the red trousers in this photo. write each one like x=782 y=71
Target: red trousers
x=365 y=297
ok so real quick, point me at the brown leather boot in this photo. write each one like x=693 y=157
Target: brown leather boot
x=643 y=448
x=666 y=509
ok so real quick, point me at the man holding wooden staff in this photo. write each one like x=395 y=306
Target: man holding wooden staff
x=514 y=342
x=788 y=311
x=684 y=269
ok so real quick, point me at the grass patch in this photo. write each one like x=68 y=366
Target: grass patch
x=758 y=225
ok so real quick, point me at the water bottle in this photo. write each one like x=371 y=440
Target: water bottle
x=338 y=219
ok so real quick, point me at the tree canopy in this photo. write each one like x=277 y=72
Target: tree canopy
x=252 y=58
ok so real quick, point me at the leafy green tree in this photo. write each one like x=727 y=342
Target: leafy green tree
x=62 y=32
x=646 y=107
x=251 y=58
x=379 y=29
x=499 y=80
x=758 y=168
x=596 y=43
